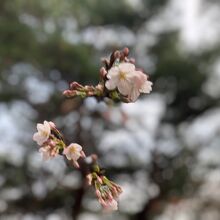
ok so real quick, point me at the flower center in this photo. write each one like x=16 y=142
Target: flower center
x=72 y=150
x=122 y=75
x=44 y=133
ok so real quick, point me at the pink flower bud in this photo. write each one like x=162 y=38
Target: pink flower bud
x=99 y=87
x=102 y=202
x=94 y=157
x=51 y=143
x=75 y=85
x=117 y=54
x=103 y=72
x=82 y=154
x=98 y=194
x=52 y=125
x=114 y=192
x=91 y=93
x=105 y=61
x=76 y=164
x=69 y=93
x=99 y=180
x=109 y=195
x=126 y=51
x=89 y=179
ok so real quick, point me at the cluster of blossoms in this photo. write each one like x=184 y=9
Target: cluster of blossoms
x=120 y=80
x=107 y=191
x=51 y=143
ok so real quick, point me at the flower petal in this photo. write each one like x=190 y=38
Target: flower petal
x=77 y=147
x=110 y=84
x=113 y=76
x=38 y=138
x=73 y=151
x=124 y=87
x=40 y=127
x=126 y=67
x=113 y=72
x=45 y=153
x=47 y=126
x=75 y=156
x=138 y=78
x=146 y=87
x=134 y=94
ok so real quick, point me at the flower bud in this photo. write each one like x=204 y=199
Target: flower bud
x=69 y=93
x=52 y=125
x=98 y=194
x=75 y=85
x=103 y=72
x=76 y=164
x=89 y=179
x=126 y=51
x=117 y=54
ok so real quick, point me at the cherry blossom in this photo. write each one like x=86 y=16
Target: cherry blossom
x=107 y=192
x=49 y=150
x=120 y=80
x=120 y=76
x=43 y=133
x=74 y=152
x=140 y=84
x=129 y=81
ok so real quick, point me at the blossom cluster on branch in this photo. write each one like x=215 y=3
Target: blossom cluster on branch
x=52 y=144
x=121 y=81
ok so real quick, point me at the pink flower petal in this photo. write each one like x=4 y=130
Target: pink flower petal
x=146 y=87
x=134 y=94
x=110 y=84
x=126 y=67
x=77 y=147
x=124 y=87
x=39 y=139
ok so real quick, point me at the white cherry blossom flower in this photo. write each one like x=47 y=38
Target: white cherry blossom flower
x=121 y=77
x=73 y=152
x=140 y=84
x=129 y=81
x=43 y=133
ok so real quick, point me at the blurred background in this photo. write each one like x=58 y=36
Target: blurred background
x=163 y=150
